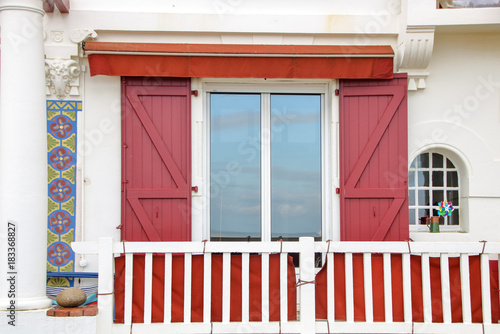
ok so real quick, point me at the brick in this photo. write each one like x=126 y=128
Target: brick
x=61 y=312
x=58 y=311
x=75 y=311
x=90 y=311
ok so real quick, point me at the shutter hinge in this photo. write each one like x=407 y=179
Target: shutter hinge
x=194 y=92
x=195 y=189
x=123 y=184
x=337 y=191
x=119 y=227
x=337 y=92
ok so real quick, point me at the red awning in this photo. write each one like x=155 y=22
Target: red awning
x=240 y=61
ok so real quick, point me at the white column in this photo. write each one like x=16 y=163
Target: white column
x=23 y=153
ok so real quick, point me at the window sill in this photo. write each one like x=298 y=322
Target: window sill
x=442 y=236
x=80 y=311
x=442 y=229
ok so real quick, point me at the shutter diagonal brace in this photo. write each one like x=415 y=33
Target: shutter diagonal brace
x=389 y=217
x=143 y=219
x=156 y=139
x=378 y=133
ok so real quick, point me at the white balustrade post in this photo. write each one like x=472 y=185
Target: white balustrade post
x=307 y=290
x=23 y=153
x=105 y=286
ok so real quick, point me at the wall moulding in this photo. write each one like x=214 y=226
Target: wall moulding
x=416 y=54
x=66 y=44
x=81 y=35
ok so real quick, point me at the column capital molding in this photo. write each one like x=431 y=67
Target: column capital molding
x=62 y=77
x=63 y=52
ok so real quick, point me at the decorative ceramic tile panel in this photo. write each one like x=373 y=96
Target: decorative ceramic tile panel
x=61 y=156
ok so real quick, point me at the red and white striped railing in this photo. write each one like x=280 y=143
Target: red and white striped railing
x=354 y=261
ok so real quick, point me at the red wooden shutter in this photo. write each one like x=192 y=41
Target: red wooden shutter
x=156 y=159
x=374 y=159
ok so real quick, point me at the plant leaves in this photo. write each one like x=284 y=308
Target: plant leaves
x=69 y=206
x=51 y=268
x=67 y=268
x=70 y=113
x=51 y=142
x=70 y=143
x=58 y=281
x=51 y=238
x=69 y=174
x=52 y=174
x=68 y=237
x=52 y=206
x=51 y=113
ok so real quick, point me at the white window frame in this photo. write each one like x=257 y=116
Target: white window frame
x=322 y=87
x=445 y=169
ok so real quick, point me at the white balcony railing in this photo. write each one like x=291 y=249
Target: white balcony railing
x=409 y=256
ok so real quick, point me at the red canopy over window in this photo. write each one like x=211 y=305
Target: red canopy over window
x=240 y=61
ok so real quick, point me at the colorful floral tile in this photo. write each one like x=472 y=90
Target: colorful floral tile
x=61 y=156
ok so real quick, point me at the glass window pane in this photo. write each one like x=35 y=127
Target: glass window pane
x=423 y=160
x=423 y=178
x=437 y=196
x=411 y=179
x=437 y=160
x=413 y=163
x=411 y=197
x=469 y=4
x=235 y=166
x=295 y=166
x=452 y=195
x=437 y=179
x=433 y=186
x=423 y=197
x=412 y=217
x=423 y=213
x=455 y=218
x=452 y=179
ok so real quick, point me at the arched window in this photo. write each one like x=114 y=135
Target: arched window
x=433 y=178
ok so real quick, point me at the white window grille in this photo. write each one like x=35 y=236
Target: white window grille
x=433 y=178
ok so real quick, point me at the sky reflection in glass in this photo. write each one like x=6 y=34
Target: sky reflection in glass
x=235 y=165
x=235 y=201
x=295 y=166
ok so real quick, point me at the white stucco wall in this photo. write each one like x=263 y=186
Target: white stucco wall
x=237 y=6
x=100 y=149
x=460 y=110
x=36 y=321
